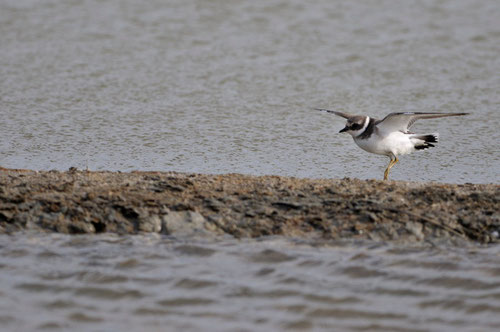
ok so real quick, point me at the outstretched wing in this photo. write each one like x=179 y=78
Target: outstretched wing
x=404 y=120
x=342 y=114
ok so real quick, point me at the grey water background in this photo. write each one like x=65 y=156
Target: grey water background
x=229 y=86
x=150 y=283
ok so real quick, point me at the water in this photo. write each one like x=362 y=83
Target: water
x=218 y=86
x=150 y=283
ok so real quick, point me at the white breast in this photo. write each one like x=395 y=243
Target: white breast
x=396 y=143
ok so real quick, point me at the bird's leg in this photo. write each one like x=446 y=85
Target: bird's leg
x=391 y=164
x=386 y=173
x=395 y=161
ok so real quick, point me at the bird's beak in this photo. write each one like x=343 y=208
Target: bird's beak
x=344 y=130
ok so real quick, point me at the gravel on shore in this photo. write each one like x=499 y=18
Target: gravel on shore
x=77 y=202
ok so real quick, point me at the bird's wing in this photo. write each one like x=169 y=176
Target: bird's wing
x=342 y=114
x=404 y=120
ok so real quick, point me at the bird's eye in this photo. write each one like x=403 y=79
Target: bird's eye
x=356 y=126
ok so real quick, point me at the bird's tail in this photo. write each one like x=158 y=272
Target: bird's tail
x=425 y=141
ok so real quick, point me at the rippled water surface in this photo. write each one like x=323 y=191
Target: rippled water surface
x=152 y=283
x=228 y=86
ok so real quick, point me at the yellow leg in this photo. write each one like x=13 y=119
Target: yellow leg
x=386 y=173
x=391 y=164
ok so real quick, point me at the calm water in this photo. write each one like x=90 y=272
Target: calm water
x=228 y=86
x=149 y=283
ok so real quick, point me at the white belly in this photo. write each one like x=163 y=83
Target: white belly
x=396 y=143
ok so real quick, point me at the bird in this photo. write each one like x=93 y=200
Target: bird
x=390 y=136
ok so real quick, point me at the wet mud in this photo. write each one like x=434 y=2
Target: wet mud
x=77 y=202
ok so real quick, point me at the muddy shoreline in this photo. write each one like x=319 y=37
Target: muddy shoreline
x=77 y=202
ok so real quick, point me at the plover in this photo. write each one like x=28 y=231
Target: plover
x=389 y=136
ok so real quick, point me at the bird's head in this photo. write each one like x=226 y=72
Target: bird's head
x=355 y=125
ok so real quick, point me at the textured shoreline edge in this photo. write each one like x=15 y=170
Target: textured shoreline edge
x=79 y=202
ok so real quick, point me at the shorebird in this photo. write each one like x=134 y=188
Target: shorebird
x=390 y=136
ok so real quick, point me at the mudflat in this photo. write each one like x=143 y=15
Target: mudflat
x=173 y=203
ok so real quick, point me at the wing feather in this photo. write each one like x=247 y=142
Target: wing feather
x=342 y=114
x=404 y=120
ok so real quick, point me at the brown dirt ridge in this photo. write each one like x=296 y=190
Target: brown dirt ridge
x=77 y=202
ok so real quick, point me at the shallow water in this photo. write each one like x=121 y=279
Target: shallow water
x=153 y=283
x=218 y=86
